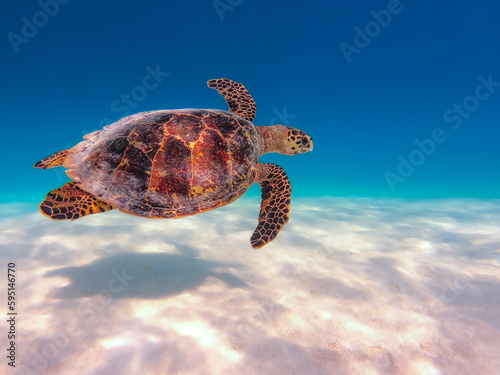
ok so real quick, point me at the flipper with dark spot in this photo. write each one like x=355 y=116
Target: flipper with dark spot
x=70 y=203
x=275 y=206
x=237 y=97
x=55 y=160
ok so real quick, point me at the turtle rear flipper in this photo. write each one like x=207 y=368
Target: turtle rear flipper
x=70 y=203
x=55 y=160
x=275 y=206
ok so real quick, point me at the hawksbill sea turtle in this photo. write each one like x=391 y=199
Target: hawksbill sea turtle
x=174 y=163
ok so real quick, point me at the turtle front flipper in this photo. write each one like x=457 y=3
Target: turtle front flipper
x=275 y=206
x=237 y=97
x=55 y=160
x=70 y=203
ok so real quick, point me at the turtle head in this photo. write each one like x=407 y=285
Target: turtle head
x=297 y=142
x=284 y=140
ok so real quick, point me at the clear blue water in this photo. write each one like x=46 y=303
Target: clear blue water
x=364 y=99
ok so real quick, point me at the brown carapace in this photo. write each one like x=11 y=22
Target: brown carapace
x=175 y=163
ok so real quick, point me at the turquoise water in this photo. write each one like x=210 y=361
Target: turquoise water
x=390 y=263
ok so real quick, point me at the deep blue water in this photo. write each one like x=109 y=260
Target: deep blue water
x=368 y=80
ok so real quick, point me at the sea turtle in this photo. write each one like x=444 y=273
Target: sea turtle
x=174 y=163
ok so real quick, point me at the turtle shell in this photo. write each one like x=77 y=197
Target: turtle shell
x=168 y=163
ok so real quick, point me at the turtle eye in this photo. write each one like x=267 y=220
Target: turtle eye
x=306 y=143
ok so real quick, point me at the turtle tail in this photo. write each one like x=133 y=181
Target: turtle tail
x=55 y=160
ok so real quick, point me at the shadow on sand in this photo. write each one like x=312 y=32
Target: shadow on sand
x=141 y=275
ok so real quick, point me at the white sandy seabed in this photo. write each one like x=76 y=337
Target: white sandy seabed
x=350 y=286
